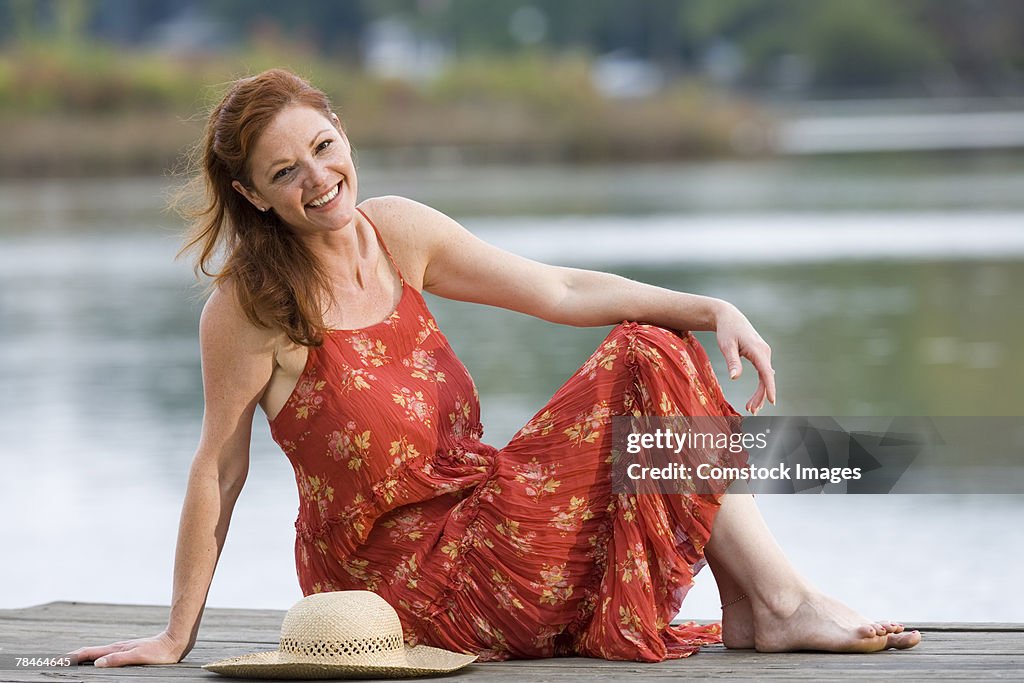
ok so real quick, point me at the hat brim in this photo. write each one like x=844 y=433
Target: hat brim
x=421 y=660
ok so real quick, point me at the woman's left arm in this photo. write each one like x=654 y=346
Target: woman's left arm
x=459 y=265
x=591 y=298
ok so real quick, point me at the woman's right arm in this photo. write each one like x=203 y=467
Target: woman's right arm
x=237 y=359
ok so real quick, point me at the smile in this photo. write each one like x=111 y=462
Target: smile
x=325 y=198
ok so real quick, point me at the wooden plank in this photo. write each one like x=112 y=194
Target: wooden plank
x=949 y=651
x=82 y=611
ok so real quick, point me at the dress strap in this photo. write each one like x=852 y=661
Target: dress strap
x=382 y=243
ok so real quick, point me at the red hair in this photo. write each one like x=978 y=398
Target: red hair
x=278 y=281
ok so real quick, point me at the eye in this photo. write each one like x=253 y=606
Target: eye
x=282 y=173
x=323 y=145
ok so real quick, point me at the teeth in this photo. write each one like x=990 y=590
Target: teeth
x=320 y=201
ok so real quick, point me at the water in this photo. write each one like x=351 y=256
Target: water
x=883 y=291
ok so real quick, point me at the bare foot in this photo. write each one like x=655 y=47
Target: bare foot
x=818 y=622
x=738 y=625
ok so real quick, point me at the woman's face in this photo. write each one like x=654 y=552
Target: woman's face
x=301 y=168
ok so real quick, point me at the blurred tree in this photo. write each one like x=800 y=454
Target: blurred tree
x=21 y=14
x=647 y=28
x=984 y=43
x=333 y=27
x=71 y=18
x=867 y=44
x=862 y=44
x=133 y=21
x=839 y=46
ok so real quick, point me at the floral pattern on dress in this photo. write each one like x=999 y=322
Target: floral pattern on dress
x=520 y=552
x=307 y=397
x=349 y=445
x=648 y=353
x=416 y=407
x=356 y=379
x=634 y=565
x=409 y=526
x=371 y=351
x=361 y=571
x=461 y=423
x=521 y=540
x=545 y=635
x=423 y=366
x=325 y=586
x=631 y=625
x=603 y=358
x=427 y=327
x=572 y=517
x=406 y=572
x=540 y=425
x=589 y=425
x=401 y=452
x=505 y=592
x=490 y=491
x=554 y=584
x=315 y=492
x=666 y=405
x=495 y=646
x=538 y=479
x=695 y=381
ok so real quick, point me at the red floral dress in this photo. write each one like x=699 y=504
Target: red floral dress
x=514 y=553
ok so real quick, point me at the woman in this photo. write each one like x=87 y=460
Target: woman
x=316 y=317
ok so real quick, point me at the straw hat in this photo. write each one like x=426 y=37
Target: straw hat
x=344 y=634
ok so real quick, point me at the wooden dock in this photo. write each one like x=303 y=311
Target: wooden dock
x=975 y=651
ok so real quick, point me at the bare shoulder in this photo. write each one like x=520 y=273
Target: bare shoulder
x=411 y=230
x=398 y=211
x=224 y=325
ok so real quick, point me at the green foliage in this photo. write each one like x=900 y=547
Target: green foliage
x=535 y=99
x=851 y=44
x=42 y=77
x=544 y=82
x=867 y=43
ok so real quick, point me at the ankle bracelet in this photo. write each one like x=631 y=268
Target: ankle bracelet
x=734 y=601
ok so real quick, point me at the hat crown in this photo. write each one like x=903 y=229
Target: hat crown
x=343 y=626
x=342 y=634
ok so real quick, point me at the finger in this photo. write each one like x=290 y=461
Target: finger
x=732 y=359
x=763 y=364
x=757 y=400
x=88 y=654
x=117 y=659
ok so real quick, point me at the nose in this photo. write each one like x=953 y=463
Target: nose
x=316 y=175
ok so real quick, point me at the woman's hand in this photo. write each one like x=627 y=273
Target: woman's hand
x=737 y=338
x=159 y=649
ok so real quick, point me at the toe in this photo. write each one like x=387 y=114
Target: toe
x=867 y=631
x=902 y=641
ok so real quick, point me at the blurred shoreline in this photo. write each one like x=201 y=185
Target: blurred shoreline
x=158 y=143
x=83 y=110
x=64 y=145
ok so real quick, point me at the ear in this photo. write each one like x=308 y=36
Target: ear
x=253 y=197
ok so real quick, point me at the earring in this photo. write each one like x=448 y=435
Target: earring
x=264 y=208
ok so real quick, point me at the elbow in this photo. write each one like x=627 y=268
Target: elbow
x=228 y=475
x=231 y=476
x=231 y=484
x=559 y=301
x=584 y=298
